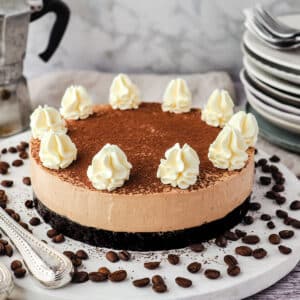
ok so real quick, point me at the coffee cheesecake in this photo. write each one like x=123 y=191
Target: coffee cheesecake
x=163 y=179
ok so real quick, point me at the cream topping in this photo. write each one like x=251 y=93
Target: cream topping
x=44 y=119
x=123 y=93
x=246 y=124
x=76 y=103
x=57 y=150
x=177 y=97
x=228 y=151
x=218 y=109
x=109 y=169
x=180 y=166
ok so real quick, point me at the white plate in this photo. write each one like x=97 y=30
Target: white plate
x=287 y=59
x=249 y=86
x=281 y=74
x=256 y=275
x=257 y=105
x=269 y=79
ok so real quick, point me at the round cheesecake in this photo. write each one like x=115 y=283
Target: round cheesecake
x=143 y=214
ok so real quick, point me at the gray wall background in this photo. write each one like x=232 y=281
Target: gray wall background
x=156 y=36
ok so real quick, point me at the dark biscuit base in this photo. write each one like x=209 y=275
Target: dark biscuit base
x=144 y=241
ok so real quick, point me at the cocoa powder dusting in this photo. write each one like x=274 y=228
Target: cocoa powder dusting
x=144 y=135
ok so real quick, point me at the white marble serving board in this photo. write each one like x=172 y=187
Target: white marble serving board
x=256 y=275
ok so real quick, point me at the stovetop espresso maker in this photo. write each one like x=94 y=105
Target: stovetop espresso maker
x=15 y=16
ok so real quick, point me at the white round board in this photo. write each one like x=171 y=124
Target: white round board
x=256 y=275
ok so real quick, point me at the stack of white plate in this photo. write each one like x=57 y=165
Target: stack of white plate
x=271 y=80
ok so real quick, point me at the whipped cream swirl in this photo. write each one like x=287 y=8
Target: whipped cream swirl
x=57 y=150
x=228 y=151
x=218 y=109
x=123 y=93
x=177 y=97
x=180 y=166
x=109 y=169
x=44 y=119
x=76 y=103
x=246 y=124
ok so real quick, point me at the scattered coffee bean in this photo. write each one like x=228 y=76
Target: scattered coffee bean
x=24 y=144
x=4 y=151
x=230 y=235
x=52 y=233
x=80 y=277
x=104 y=271
x=295 y=205
x=29 y=203
x=60 y=238
x=280 y=200
x=151 y=265
x=23 y=155
x=12 y=150
x=19 y=273
x=35 y=221
x=274 y=239
x=141 y=282
x=24 y=225
x=157 y=279
x=271 y=225
x=271 y=195
x=280 y=180
x=265 y=217
x=233 y=270
x=77 y=262
x=284 y=249
x=262 y=162
x=288 y=221
x=4 y=165
x=112 y=256
x=117 y=276
x=212 y=274
x=266 y=169
x=82 y=254
x=254 y=206
x=159 y=288
x=7 y=183
x=281 y=214
x=2 y=249
x=274 y=158
x=243 y=251
x=278 y=188
x=286 y=234
x=27 y=180
x=240 y=233
x=259 y=253
x=265 y=180
x=194 y=267
x=230 y=260
x=17 y=163
x=16 y=264
x=221 y=241
x=251 y=239
x=124 y=255
x=97 y=277
x=3 y=171
x=248 y=220
x=173 y=259
x=197 y=247
x=3 y=242
x=183 y=282
x=8 y=250
x=295 y=223
x=69 y=254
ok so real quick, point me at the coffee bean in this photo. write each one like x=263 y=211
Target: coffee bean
x=29 y=203
x=24 y=144
x=76 y=262
x=262 y=162
x=8 y=250
x=141 y=282
x=97 y=277
x=259 y=253
x=284 y=249
x=278 y=188
x=286 y=234
x=266 y=169
x=3 y=242
x=19 y=273
x=60 y=238
x=52 y=233
x=23 y=155
x=265 y=217
x=16 y=217
x=281 y=214
x=3 y=171
x=173 y=259
x=17 y=163
x=4 y=151
x=233 y=270
x=274 y=158
x=265 y=180
x=274 y=239
x=27 y=180
x=69 y=254
x=197 y=247
x=280 y=180
x=295 y=223
x=251 y=239
x=280 y=200
x=35 y=221
x=117 y=276
x=212 y=274
x=254 y=206
x=16 y=264
x=7 y=183
x=4 y=165
x=271 y=195
x=230 y=260
x=124 y=255
x=104 y=271
x=151 y=265
x=157 y=279
x=221 y=241
x=112 y=256
x=82 y=254
x=230 y=235
x=194 y=267
x=80 y=277
x=243 y=251
x=295 y=205
x=248 y=220
x=183 y=282
x=271 y=225
x=240 y=233
x=288 y=221
x=12 y=150
x=159 y=288
x=2 y=249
